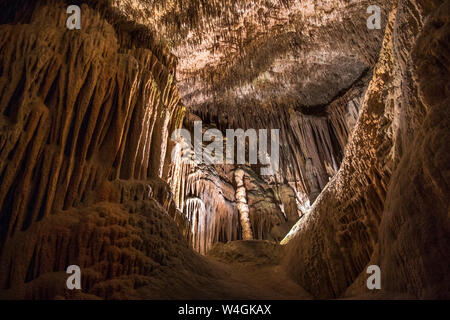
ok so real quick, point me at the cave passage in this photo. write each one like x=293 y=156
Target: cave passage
x=220 y=149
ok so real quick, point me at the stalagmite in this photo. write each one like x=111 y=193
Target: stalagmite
x=241 y=199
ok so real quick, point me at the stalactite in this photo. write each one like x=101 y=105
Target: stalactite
x=352 y=203
x=195 y=212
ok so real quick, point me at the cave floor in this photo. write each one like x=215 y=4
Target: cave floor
x=259 y=282
x=239 y=270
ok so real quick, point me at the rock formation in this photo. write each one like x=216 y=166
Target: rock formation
x=91 y=175
x=85 y=119
x=387 y=204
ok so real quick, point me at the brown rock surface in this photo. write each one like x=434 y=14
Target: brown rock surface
x=87 y=175
x=388 y=204
x=85 y=122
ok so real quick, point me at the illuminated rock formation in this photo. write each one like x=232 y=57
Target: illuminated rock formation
x=89 y=174
x=300 y=67
x=241 y=199
x=83 y=115
x=386 y=205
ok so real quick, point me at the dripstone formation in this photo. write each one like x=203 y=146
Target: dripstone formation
x=90 y=174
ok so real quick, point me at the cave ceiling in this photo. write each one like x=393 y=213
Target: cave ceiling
x=301 y=54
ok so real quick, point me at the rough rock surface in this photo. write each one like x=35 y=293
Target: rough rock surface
x=85 y=179
x=82 y=111
x=388 y=204
x=87 y=175
x=301 y=68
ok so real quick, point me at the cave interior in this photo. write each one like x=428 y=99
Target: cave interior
x=344 y=165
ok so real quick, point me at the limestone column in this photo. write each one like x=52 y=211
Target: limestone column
x=241 y=199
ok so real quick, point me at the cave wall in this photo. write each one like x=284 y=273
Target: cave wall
x=85 y=117
x=386 y=205
x=208 y=197
x=269 y=65
x=414 y=233
x=77 y=112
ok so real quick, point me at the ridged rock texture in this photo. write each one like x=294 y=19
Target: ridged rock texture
x=388 y=205
x=298 y=66
x=85 y=119
x=89 y=174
